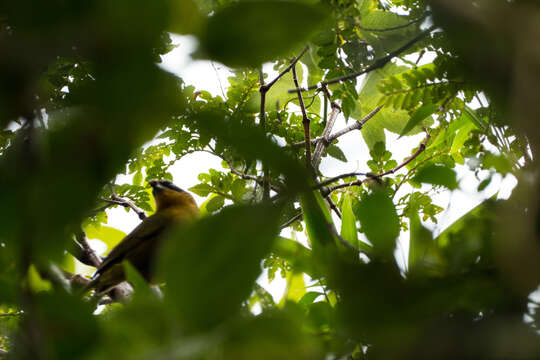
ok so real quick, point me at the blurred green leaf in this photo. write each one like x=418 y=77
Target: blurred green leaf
x=68 y=334
x=185 y=17
x=419 y=241
x=296 y=254
x=220 y=254
x=250 y=33
x=309 y=298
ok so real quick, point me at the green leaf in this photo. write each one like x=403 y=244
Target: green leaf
x=419 y=115
x=296 y=288
x=336 y=152
x=215 y=203
x=484 y=184
x=299 y=256
x=420 y=240
x=379 y=220
x=309 y=298
x=465 y=126
x=138 y=178
x=387 y=118
x=210 y=267
x=318 y=219
x=238 y=188
x=201 y=189
x=250 y=33
x=348 y=221
x=501 y=163
x=437 y=175
x=107 y=234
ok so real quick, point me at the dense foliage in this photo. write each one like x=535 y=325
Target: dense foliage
x=81 y=93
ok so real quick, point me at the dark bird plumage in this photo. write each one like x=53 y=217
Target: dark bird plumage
x=173 y=206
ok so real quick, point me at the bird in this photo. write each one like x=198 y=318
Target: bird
x=174 y=206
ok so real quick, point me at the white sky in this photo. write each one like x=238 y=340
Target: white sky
x=212 y=77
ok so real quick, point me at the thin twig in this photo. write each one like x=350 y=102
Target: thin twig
x=262 y=116
x=421 y=148
x=336 y=178
x=379 y=63
x=3 y=352
x=286 y=70
x=292 y=220
x=333 y=206
x=101 y=208
x=357 y=125
x=328 y=190
x=115 y=199
x=305 y=120
x=218 y=79
x=243 y=175
x=18 y=313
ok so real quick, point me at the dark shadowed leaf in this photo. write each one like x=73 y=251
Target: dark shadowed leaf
x=210 y=267
x=420 y=240
x=250 y=33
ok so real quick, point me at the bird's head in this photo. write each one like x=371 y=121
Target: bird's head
x=168 y=195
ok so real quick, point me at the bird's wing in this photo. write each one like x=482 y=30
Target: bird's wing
x=149 y=229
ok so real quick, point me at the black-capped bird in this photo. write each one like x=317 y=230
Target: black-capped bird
x=173 y=206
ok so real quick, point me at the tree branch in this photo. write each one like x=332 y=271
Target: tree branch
x=327 y=191
x=357 y=125
x=82 y=251
x=262 y=116
x=376 y=65
x=333 y=206
x=421 y=148
x=18 y=313
x=291 y=220
x=324 y=142
x=336 y=178
x=117 y=200
x=245 y=176
x=305 y=120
